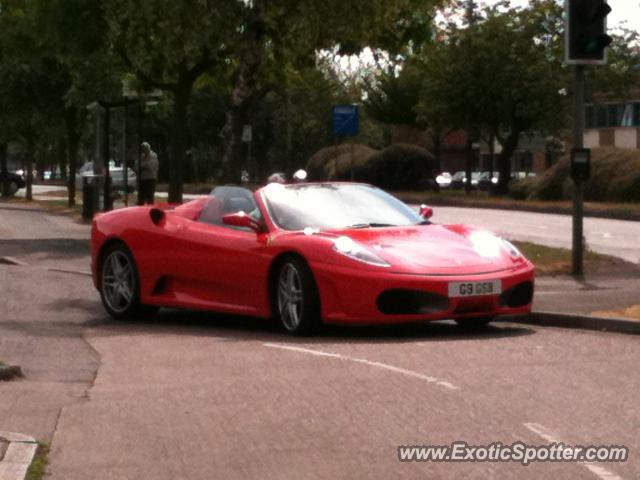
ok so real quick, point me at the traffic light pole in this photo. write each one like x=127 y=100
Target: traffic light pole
x=578 y=190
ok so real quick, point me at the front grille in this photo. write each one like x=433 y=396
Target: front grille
x=411 y=302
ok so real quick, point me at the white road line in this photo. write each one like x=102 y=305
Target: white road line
x=550 y=437
x=385 y=366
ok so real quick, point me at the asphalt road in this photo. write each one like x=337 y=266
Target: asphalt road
x=200 y=396
x=619 y=238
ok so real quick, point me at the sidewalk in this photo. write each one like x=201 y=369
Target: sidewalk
x=593 y=302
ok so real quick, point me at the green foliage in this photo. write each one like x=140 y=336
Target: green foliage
x=39 y=464
x=621 y=77
x=393 y=98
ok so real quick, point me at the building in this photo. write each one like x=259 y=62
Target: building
x=612 y=124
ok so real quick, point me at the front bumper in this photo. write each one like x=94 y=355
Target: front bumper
x=352 y=296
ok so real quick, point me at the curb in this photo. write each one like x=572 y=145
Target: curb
x=583 y=322
x=18 y=457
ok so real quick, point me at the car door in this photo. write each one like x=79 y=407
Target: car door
x=224 y=268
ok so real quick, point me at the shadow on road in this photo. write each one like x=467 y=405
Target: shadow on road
x=51 y=247
x=239 y=328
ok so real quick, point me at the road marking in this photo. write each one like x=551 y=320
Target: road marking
x=550 y=437
x=70 y=271
x=385 y=366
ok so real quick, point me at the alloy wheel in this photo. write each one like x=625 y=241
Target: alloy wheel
x=118 y=281
x=290 y=297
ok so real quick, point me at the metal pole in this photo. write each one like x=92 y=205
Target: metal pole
x=578 y=191
x=125 y=164
x=105 y=155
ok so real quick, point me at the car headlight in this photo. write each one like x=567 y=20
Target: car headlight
x=347 y=247
x=511 y=249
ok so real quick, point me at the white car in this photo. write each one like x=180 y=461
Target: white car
x=444 y=180
x=116 y=174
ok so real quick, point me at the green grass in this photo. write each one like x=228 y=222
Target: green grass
x=40 y=461
x=554 y=261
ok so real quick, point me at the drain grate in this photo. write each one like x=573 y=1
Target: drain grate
x=11 y=261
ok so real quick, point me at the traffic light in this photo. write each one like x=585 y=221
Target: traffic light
x=586 y=31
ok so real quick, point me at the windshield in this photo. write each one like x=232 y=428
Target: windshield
x=335 y=206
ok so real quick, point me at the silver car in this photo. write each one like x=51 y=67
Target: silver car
x=116 y=174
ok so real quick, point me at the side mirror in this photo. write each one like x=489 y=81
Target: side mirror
x=241 y=219
x=426 y=211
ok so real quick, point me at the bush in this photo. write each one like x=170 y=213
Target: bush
x=331 y=163
x=615 y=177
x=523 y=189
x=397 y=167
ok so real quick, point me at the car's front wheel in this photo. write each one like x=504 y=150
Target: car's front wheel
x=120 y=284
x=296 y=302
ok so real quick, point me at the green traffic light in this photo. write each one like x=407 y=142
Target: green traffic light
x=598 y=43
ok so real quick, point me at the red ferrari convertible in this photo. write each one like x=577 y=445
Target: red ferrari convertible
x=306 y=254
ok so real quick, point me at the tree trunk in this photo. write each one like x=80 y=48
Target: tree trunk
x=437 y=151
x=74 y=119
x=509 y=146
x=251 y=60
x=4 y=185
x=29 y=177
x=181 y=98
x=61 y=153
x=468 y=161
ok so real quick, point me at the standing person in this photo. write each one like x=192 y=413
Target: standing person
x=148 y=175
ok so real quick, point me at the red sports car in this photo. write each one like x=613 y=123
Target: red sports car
x=306 y=254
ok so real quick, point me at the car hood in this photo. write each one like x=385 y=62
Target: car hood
x=435 y=249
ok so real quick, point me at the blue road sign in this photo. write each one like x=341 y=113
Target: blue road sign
x=346 y=120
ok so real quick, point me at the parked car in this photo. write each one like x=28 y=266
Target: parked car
x=306 y=254
x=444 y=180
x=116 y=173
x=16 y=182
x=486 y=180
x=458 y=180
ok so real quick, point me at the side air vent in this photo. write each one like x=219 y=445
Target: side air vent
x=518 y=296
x=157 y=216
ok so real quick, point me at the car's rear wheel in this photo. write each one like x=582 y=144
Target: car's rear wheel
x=296 y=302
x=120 y=284
x=474 y=323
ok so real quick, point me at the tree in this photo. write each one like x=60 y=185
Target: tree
x=33 y=82
x=502 y=75
x=298 y=29
x=169 y=45
x=620 y=78
x=74 y=32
